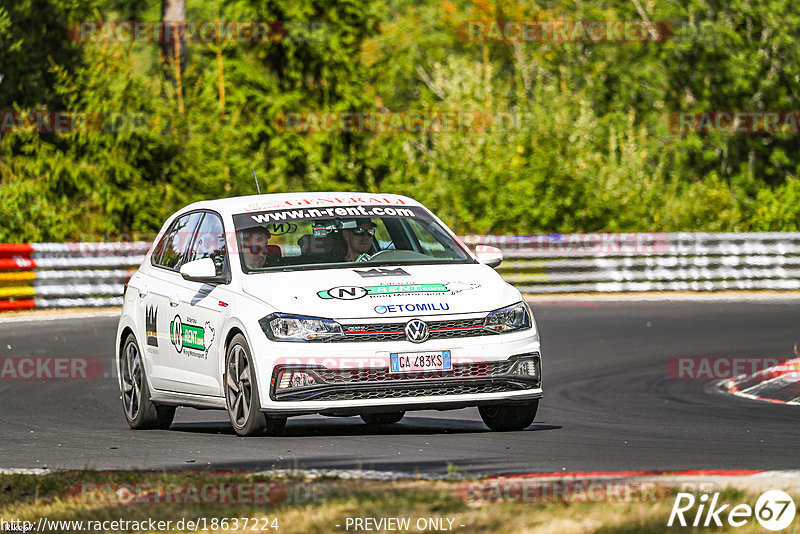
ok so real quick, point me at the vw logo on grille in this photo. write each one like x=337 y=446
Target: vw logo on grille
x=417 y=331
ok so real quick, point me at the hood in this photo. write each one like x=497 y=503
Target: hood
x=383 y=292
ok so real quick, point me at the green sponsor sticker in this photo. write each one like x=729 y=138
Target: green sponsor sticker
x=186 y=335
x=356 y=292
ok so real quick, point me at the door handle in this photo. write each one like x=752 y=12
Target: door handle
x=142 y=292
x=174 y=301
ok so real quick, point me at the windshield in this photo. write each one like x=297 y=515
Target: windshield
x=316 y=238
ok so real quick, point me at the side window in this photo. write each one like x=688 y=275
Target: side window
x=210 y=242
x=170 y=249
x=428 y=242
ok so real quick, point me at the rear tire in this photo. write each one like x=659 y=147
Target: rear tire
x=507 y=417
x=139 y=411
x=241 y=394
x=382 y=418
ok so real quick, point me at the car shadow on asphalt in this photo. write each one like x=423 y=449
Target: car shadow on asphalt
x=353 y=426
x=438 y=468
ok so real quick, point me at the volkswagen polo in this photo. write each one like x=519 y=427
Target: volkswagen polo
x=340 y=304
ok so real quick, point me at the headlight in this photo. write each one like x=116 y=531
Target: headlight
x=509 y=319
x=285 y=327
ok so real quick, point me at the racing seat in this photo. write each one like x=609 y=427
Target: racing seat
x=272 y=255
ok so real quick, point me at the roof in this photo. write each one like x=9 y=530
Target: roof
x=252 y=203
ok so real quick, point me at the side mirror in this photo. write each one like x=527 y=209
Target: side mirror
x=202 y=270
x=491 y=256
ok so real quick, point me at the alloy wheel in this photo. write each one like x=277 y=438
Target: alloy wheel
x=239 y=386
x=132 y=381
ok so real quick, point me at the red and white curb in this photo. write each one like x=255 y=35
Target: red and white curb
x=779 y=384
x=688 y=478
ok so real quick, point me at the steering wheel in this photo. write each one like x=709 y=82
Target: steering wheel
x=382 y=252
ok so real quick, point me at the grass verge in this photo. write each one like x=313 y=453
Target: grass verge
x=298 y=505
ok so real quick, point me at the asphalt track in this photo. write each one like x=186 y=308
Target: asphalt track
x=609 y=404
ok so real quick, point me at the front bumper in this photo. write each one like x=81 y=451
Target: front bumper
x=441 y=403
x=378 y=384
x=489 y=379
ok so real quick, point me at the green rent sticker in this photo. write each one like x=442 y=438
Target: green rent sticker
x=356 y=292
x=186 y=335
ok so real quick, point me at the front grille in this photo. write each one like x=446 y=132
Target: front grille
x=396 y=331
x=460 y=370
x=465 y=388
x=379 y=383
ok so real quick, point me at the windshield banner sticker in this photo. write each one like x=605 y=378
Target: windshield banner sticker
x=276 y=217
x=304 y=202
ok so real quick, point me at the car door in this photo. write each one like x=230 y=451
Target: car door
x=197 y=320
x=161 y=299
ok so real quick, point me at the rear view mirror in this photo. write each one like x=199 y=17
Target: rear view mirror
x=491 y=256
x=202 y=270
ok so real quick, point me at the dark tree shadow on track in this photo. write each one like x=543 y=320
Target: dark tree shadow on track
x=353 y=426
x=438 y=468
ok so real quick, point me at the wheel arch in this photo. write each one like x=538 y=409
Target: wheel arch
x=123 y=335
x=233 y=330
x=260 y=378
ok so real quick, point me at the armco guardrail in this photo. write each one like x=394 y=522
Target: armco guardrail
x=64 y=275
x=608 y=263
x=47 y=275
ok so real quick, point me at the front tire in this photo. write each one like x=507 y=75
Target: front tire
x=507 y=417
x=382 y=418
x=241 y=394
x=140 y=412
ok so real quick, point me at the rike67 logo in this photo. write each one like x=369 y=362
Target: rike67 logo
x=774 y=510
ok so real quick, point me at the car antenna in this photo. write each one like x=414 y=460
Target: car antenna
x=258 y=188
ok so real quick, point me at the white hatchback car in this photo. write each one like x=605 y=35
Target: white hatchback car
x=338 y=304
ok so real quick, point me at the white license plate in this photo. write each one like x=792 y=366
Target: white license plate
x=410 y=362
